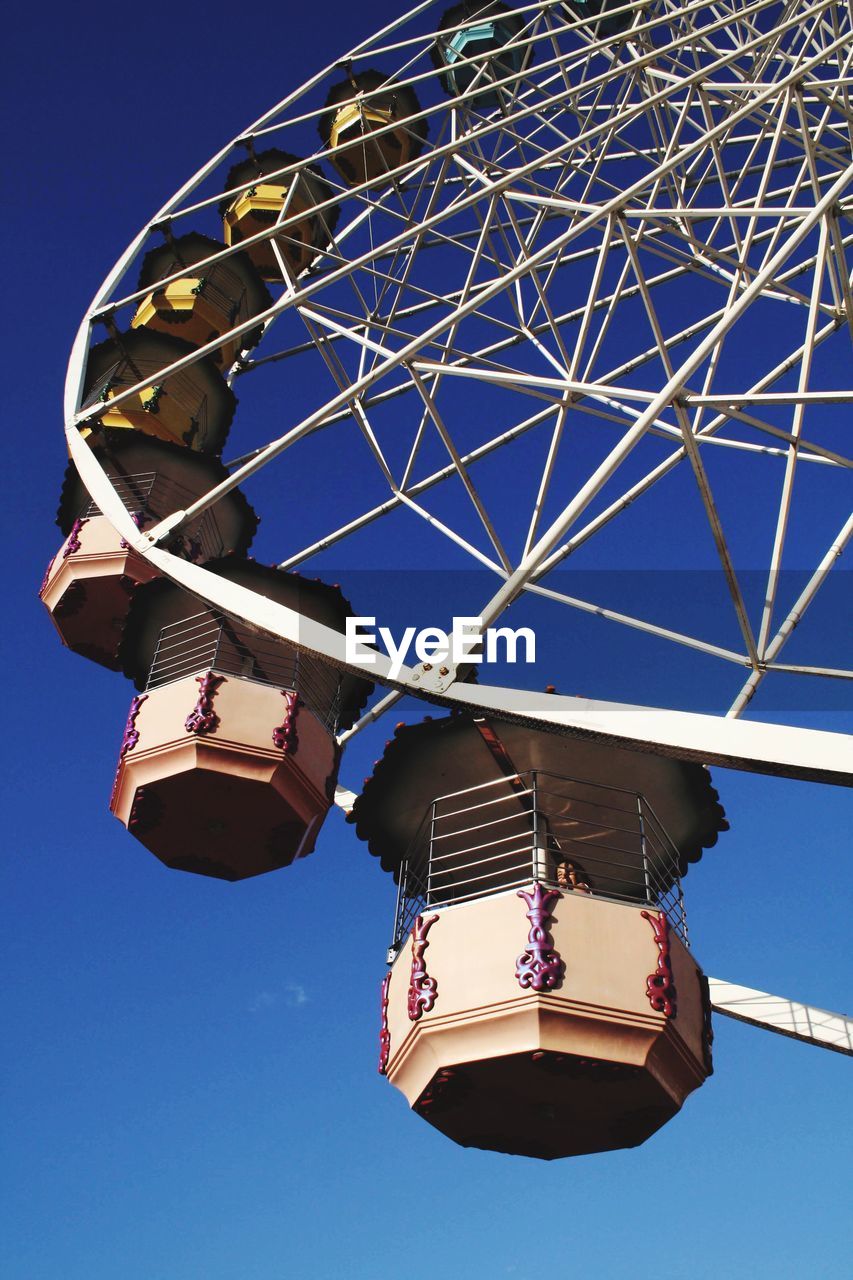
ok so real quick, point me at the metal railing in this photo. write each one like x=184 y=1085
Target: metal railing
x=133 y=490
x=150 y=496
x=210 y=641
x=569 y=834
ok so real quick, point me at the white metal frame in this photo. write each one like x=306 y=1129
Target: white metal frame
x=785 y=1017
x=708 y=149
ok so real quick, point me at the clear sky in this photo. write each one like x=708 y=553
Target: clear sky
x=190 y=1066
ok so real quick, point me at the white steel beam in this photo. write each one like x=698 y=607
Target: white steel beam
x=761 y=748
x=784 y=1017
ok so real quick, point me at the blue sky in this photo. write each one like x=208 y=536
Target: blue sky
x=190 y=1072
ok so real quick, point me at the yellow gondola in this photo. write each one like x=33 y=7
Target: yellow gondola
x=193 y=406
x=358 y=108
x=305 y=231
x=203 y=303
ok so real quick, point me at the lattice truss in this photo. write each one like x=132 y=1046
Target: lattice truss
x=615 y=286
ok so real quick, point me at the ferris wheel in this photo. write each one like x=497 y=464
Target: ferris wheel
x=559 y=293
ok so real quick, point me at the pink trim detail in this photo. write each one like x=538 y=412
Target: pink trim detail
x=46 y=579
x=660 y=985
x=73 y=544
x=202 y=718
x=539 y=968
x=285 y=736
x=384 y=1033
x=131 y=733
x=423 y=990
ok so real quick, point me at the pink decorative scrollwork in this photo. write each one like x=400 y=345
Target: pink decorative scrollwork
x=131 y=733
x=539 y=968
x=423 y=990
x=129 y=738
x=660 y=985
x=284 y=735
x=384 y=1033
x=202 y=718
x=46 y=579
x=73 y=543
